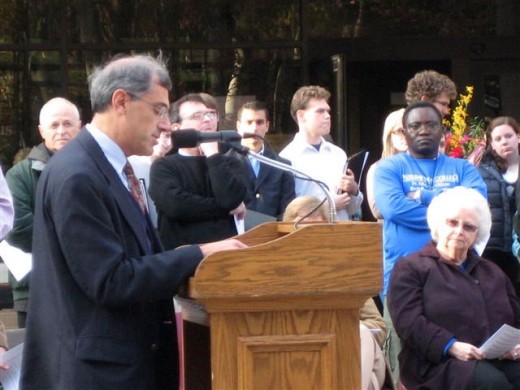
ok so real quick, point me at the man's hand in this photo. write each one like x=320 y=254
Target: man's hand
x=341 y=201
x=512 y=354
x=415 y=195
x=3 y=365
x=348 y=183
x=465 y=351
x=208 y=148
x=240 y=211
x=217 y=246
x=164 y=144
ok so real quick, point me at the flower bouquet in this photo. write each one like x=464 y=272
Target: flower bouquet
x=466 y=137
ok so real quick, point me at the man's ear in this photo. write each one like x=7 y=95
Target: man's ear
x=267 y=126
x=299 y=115
x=119 y=99
x=423 y=98
x=176 y=126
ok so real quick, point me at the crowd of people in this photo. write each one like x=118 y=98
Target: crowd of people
x=117 y=217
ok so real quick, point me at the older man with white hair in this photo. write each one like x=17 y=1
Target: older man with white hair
x=59 y=123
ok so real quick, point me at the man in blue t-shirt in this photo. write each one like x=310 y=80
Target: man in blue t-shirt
x=406 y=183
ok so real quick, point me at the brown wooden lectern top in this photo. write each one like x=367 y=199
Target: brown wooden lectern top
x=284 y=313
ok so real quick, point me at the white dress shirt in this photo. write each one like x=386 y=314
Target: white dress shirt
x=326 y=164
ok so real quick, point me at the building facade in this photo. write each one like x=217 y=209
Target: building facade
x=364 y=51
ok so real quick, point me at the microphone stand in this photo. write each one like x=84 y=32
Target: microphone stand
x=296 y=173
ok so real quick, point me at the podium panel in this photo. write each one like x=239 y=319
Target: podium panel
x=284 y=313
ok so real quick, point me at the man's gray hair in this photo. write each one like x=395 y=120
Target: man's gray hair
x=133 y=74
x=458 y=198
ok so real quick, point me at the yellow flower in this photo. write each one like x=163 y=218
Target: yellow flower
x=463 y=138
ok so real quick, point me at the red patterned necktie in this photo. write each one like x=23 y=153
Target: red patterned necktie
x=135 y=187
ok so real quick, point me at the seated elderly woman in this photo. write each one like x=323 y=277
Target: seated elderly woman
x=445 y=301
x=372 y=327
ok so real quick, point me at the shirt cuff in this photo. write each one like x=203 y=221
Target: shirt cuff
x=448 y=346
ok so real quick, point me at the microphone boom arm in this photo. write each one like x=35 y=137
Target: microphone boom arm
x=287 y=168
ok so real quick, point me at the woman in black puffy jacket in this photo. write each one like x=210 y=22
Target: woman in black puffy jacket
x=499 y=169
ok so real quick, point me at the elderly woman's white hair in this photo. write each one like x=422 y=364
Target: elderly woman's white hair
x=458 y=198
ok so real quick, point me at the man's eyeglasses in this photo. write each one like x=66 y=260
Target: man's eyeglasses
x=468 y=227
x=199 y=116
x=442 y=103
x=429 y=126
x=160 y=110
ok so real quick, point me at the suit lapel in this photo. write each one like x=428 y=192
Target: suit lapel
x=265 y=170
x=155 y=242
x=262 y=174
x=247 y=169
x=127 y=206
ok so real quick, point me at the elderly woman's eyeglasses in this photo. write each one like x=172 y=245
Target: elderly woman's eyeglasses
x=160 y=110
x=468 y=227
x=398 y=131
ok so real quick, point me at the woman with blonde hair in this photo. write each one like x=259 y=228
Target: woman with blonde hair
x=394 y=142
x=307 y=208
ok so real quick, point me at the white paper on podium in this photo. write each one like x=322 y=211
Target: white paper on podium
x=18 y=261
x=239 y=223
x=501 y=341
x=10 y=378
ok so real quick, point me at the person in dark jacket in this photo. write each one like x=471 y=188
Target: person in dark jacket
x=269 y=189
x=59 y=123
x=6 y=224
x=198 y=192
x=445 y=301
x=101 y=298
x=499 y=169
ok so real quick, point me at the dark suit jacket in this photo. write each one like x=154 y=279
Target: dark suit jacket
x=101 y=291
x=272 y=190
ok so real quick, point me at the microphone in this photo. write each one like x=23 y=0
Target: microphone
x=287 y=168
x=190 y=138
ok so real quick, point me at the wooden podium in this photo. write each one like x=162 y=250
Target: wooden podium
x=283 y=313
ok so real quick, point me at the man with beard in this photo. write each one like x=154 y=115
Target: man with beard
x=431 y=86
x=406 y=183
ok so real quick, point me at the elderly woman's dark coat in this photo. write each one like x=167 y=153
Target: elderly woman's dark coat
x=432 y=301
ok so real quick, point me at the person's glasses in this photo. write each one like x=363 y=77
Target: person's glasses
x=398 y=131
x=442 y=103
x=429 y=126
x=468 y=227
x=199 y=116
x=160 y=110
